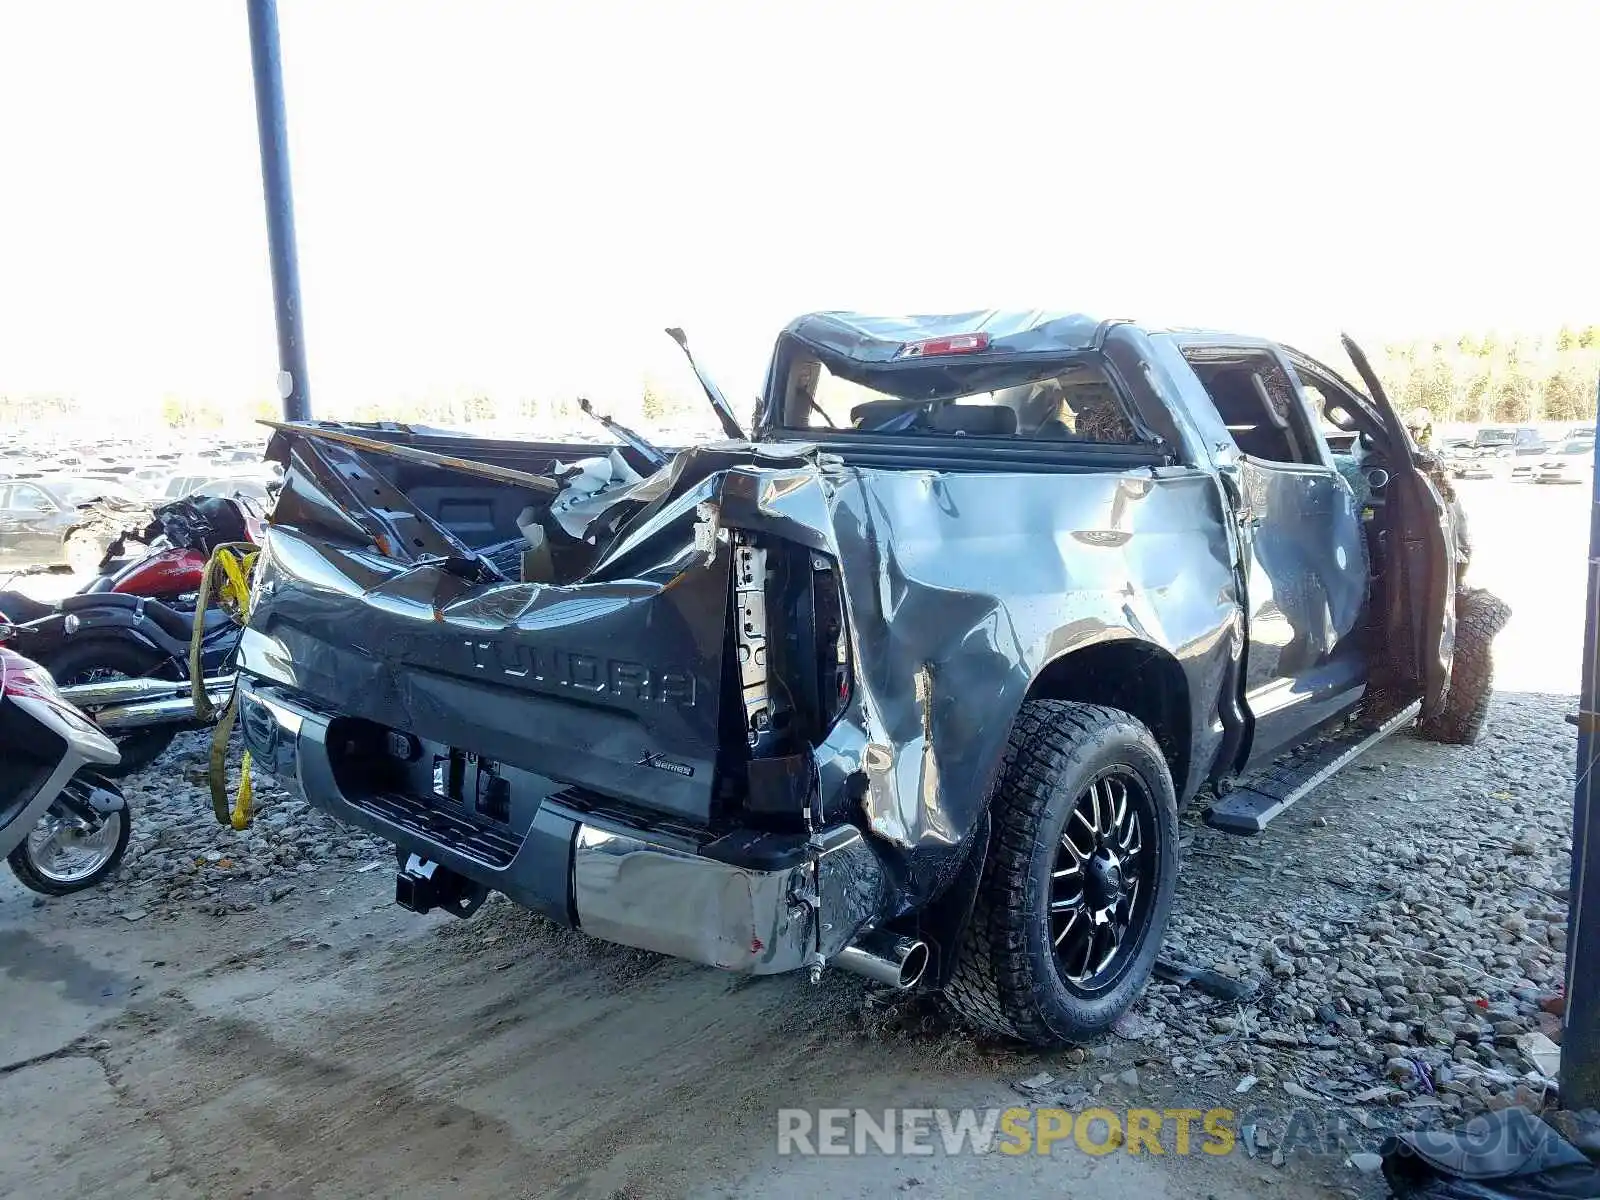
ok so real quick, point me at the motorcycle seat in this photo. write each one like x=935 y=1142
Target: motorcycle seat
x=171 y=621
x=22 y=609
x=181 y=624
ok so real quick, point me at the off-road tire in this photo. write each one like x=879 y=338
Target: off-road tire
x=22 y=866
x=1005 y=979
x=1479 y=616
x=139 y=747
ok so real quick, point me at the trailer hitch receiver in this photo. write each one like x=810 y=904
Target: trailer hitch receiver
x=422 y=886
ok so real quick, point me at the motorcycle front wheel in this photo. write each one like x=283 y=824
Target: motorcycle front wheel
x=66 y=852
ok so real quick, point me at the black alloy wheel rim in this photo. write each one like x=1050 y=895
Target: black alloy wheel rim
x=1102 y=881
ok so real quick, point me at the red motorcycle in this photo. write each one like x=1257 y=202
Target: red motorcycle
x=168 y=556
x=120 y=647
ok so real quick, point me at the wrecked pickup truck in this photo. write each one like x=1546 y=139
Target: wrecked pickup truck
x=912 y=680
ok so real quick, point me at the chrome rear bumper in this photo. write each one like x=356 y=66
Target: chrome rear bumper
x=623 y=884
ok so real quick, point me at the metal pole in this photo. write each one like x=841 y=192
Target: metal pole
x=1580 y=1038
x=273 y=130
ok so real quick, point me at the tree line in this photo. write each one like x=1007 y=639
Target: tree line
x=1489 y=378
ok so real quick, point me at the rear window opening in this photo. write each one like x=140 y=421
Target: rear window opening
x=1071 y=401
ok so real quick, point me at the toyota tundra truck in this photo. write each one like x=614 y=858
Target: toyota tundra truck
x=912 y=678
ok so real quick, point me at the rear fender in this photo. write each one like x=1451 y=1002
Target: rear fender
x=959 y=590
x=116 y=623
x=80 y=745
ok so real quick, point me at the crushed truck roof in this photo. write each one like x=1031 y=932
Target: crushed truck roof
x=880 y=339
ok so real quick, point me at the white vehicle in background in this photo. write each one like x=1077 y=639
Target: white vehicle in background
x=1571 y=461
x=233 y=487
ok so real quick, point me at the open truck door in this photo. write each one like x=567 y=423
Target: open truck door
x=1419 y=619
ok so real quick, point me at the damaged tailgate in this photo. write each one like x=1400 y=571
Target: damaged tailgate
x=376 y=607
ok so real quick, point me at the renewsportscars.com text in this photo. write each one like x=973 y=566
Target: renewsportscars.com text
x=843 y=1131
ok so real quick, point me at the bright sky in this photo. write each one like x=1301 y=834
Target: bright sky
x=516 y=198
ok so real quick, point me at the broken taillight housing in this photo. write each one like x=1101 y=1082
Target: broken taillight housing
x=955 y=343
x=793 y=669
x=792 y=644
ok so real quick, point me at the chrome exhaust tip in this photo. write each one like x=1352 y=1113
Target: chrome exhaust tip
x=885 y=958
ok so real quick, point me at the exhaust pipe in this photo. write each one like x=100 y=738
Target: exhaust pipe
x=129 y=691
x=885 y=958
x=140 y=713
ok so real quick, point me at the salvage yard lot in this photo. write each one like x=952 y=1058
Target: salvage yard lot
x=248 y=1015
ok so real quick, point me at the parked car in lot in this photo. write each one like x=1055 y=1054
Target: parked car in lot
x=44 y=523
x=250 y=480
x=1497 y=452
x=1517 y=462
x=912 y=683
x=1570 y=462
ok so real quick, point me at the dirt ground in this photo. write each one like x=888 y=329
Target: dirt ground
x=331 y=1045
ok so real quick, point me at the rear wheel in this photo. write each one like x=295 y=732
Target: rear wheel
x=1479 y=616
x=1078 y=880
x=101 y=660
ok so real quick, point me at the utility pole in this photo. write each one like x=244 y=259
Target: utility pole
x=1580 y=1038
x=272 y=128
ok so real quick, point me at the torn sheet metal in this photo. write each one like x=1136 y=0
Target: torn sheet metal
x=424 y=458
x=865 y=339
x=960 y=590
x=611 y=685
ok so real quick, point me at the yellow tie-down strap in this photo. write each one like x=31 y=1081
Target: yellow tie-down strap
x=228 y=575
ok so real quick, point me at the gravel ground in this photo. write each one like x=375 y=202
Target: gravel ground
x=1403 y=930
x=180 y=860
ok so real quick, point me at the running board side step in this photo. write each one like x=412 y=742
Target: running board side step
x=1249 y=808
